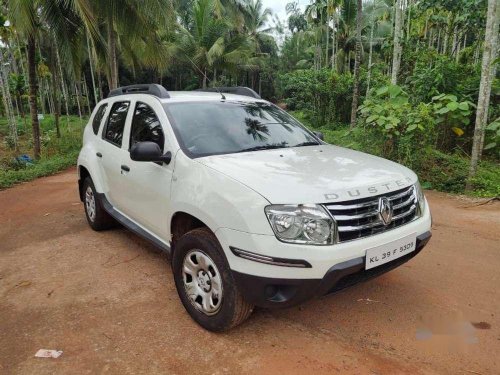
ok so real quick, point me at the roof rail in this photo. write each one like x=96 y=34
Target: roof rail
x=237 y=90
x=151 y=89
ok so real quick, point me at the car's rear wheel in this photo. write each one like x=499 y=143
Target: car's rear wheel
x=97 y=217
x=205 y=283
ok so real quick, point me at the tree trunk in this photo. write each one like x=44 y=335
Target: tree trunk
x=87 y=95
x=327 y=40
x=438 y=40
x=425 y=27
x=333 y=41
x=91 y=63
x=7 y=101
x=446 y=35
x=33 y=88
x=61 y=80
x=408 y=21
x=77 y=94
x=489 y=55
x=46 y=84
x=113 y=61
x=56 y=100
x=357 y=59
x=369 y=73
x=20 y=55
x=396 y=56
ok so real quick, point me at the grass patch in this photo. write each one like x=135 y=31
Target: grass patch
x=44 y=167
x=56 y=153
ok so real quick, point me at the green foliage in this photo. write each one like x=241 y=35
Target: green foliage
x=401 y=127
x=324 y=96
x=446 y=172
x=451 y=114
x=434 y=73
x=493 y=136
x=400 y=122
x=57 y=153
x=44 y=167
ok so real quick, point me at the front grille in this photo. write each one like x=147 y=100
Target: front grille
x=360 y=218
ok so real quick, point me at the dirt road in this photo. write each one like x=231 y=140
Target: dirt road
x=109 y=302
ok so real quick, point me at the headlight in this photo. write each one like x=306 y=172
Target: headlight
x=303 y=224
x=420 y=198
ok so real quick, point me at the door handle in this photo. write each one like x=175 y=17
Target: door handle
x=125 y=168
x=99 y=155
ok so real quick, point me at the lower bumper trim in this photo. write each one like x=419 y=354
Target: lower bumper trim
x=277 y=293
x=299 y=263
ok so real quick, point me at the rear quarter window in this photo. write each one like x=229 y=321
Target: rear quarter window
x=96 y=122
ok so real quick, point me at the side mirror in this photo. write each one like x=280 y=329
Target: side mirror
x=149 y=151
x=319 y=135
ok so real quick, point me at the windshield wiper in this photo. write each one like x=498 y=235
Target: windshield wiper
x=307 y=144
x=265 y=147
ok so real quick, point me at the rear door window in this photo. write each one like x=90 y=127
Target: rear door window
x=116 y=123
x=96 y=123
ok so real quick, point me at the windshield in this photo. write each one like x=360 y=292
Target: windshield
x=209 y=128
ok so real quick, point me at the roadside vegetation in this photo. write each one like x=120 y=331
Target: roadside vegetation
x=415 y=81
x=57 y=153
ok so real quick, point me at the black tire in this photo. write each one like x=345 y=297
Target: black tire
x=233 y=308
x=100 y=219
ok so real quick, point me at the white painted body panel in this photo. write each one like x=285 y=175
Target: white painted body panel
x=228 y=193
x=313 y=174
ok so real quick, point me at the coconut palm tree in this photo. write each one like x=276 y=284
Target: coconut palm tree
x=208 y=44
x=133 y=28
x=28 y=18
x=375 y=12
x=256 y=18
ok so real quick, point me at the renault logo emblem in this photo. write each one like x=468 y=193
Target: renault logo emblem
x=385 y=210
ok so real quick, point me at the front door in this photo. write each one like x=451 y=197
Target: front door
x=147 y=185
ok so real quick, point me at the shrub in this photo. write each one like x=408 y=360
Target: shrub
x=322 y=95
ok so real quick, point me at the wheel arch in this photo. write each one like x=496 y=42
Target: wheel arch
x=85 y=170
x=183 y=222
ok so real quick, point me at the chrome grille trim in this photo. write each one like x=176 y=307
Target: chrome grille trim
x=405 y=203
x=349 y=206
x=360 y=216
x=358 y=219
x=378 y=223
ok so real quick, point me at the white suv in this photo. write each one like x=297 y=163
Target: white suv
x=252 y=208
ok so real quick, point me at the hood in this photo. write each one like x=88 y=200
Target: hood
x=312 y=174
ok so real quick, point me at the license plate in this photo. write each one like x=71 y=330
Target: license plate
x=385 y=253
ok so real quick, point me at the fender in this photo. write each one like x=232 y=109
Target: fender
x=217 y=200
x=89 y=160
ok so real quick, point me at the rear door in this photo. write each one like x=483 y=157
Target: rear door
x=113 y=153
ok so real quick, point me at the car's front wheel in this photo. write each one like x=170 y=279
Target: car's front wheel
x=205 y=284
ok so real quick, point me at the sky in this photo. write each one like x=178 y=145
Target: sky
x=278 y=6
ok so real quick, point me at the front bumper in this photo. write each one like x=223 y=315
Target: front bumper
x=280 y=292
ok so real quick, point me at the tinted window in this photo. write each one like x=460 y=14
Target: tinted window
x=116 y=123
x=96 y=123
x=208 y=128
x=145 y=126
